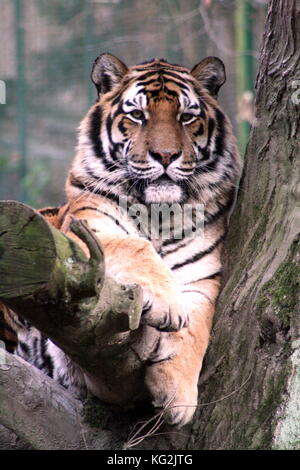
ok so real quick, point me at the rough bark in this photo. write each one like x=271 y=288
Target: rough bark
x=41 y=412
x=255 y=345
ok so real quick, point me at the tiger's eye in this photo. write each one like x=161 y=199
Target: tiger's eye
x=137 y=114
x=185 y=117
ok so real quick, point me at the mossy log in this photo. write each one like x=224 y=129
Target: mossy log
x=46 y=278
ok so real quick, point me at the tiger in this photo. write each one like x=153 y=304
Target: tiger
x=155 y=136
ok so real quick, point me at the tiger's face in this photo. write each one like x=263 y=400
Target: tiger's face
x=159 y=128
x=156 y=129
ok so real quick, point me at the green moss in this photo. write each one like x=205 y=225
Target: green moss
x=282 y=291
x=261 y=438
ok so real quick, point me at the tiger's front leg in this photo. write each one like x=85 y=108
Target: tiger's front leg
x=185 y=319
x=173 y=382
x=133 y=260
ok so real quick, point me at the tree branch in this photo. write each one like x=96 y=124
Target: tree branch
x=42 y=412
x=46 y=278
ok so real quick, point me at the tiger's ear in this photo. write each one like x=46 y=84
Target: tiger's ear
x=210 y=72
x=107 y=72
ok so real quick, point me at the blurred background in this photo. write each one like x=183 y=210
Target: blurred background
x=48 y=47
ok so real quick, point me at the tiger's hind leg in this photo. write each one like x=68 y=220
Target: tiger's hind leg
x=173 y=382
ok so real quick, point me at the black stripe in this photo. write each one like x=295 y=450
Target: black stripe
x=211 y=126
x=223 y=178
x=122 y=128
x=10 y=346
x=148 y=73
x=49 y=211
x=108 y=164
x=112 y=197
x=200 y=130
x=78 y=184
x=211 y=218
x=171 y=241
x=186 y=170
x=129 y=103
x=220 y=118
x=24 y=347
x=209 y=166
x=198 y=292
x=176 y=74
x=117 y=98
x=106 y=83
x=94 y=131
x=194 y=106
x=10 y=343
x=119 y=110
x=173 y=250
x=156 y=93
x=181 y=82
x=91 y=208
x=110 y=167
x=36 y=347
x=47 y=360
x=205 y=153
x=202 y=103
x=147 y=82
x=109 y=127
x=200 y=255
x=211 y=276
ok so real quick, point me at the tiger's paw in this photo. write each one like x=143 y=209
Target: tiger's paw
x=177 y=401
x=164 y=313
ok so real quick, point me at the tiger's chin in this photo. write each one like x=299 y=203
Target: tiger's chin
x=169 y=193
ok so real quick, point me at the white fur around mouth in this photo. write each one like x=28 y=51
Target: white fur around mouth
x=166 y=192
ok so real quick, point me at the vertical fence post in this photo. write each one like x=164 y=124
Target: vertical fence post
x=244 y=61
x=21 y=113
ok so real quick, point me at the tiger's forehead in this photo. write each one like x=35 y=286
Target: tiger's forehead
x=158 y=64
x=146 y=84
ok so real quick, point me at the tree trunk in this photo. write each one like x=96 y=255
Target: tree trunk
x=250 y=379
x=255 y=344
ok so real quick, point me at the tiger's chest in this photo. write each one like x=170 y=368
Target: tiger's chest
x=192 y=252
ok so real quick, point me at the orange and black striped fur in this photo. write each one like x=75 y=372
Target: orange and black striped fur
x=157 y=135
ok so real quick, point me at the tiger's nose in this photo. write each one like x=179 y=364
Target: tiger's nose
x=165 y=157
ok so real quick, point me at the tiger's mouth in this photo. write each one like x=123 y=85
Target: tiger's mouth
x=160 y=190
x=163 y=179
